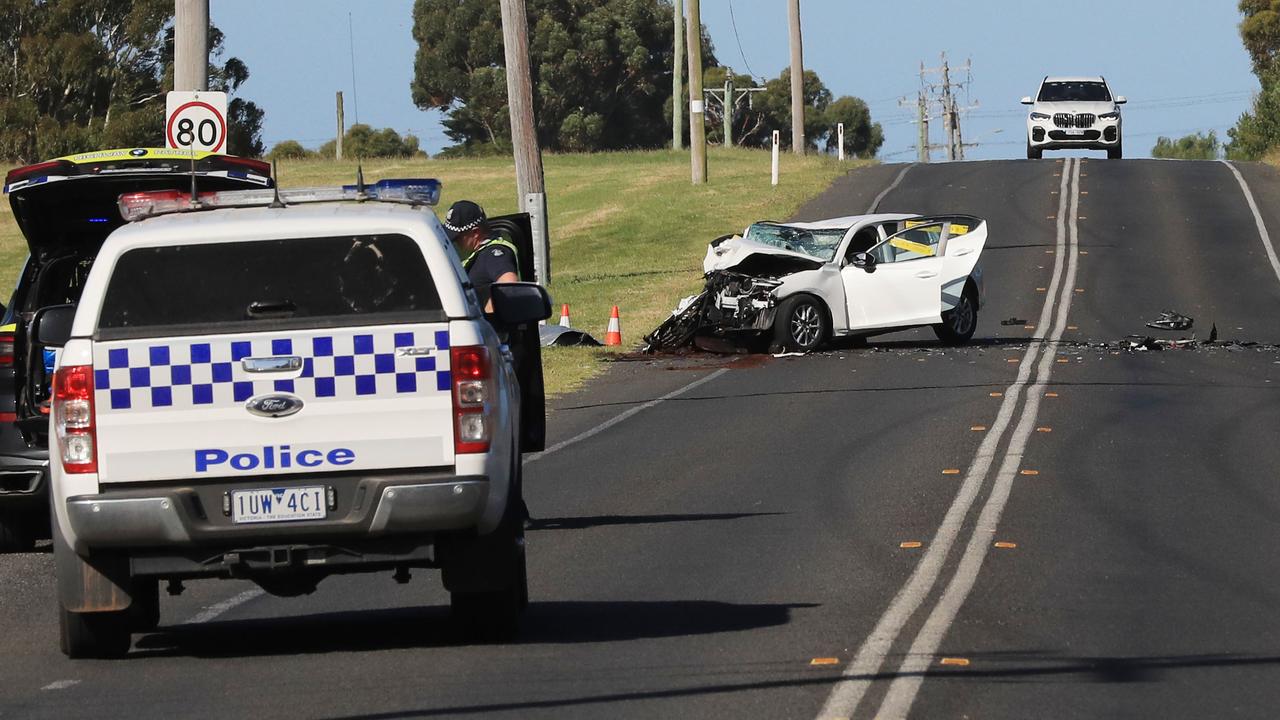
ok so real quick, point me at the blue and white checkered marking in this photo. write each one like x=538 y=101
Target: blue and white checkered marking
x=197 y=372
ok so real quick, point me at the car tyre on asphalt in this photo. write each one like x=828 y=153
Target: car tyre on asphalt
x=800 y=325
x=959 y=323
x=16 y=534
x=1034 y=153
x=1115 y=153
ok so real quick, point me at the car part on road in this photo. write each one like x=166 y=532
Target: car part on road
x=1170 y=320
x=563 y=336
x=1013 y=321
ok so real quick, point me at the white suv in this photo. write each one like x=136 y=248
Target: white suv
x=1074 y=113
x=282 y=393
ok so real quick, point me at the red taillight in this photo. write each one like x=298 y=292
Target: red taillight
x=257 y=166
x=73 y=418
x=138 y=205
x=472 y=398
x=6 y=349
x=30 y=171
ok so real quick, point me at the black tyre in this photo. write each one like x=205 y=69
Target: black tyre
x=95 y=635
x=1034 y=153
x=144 y=613
x=17 y=534
x=1115 y=153
x=959 y=323
x=800 y=324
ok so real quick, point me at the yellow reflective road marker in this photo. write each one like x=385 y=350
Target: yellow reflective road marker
x=951 y=471
x=825 y=661
x=1028 y=327
x=1041 y=289
x=977 y=428
x=1063 y=360
x=1030 y=472
x=1013 y=360
x=960 y=662
x=1073 y=327
x=1044 y=429
x=997 y=394
x=1079 y=290
x=1084 y=252
x=910 y=544
x=1051 y=394
x=1006 y=545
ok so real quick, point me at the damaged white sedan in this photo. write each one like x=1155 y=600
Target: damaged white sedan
x=799 y=284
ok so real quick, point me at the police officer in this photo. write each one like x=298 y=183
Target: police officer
x=488 y=257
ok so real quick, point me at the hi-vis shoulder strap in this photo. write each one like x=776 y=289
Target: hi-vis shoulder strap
x=490 y=243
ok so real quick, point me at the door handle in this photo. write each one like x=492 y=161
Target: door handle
x=926 y=274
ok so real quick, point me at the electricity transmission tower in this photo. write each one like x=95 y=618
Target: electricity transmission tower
x=938 y=100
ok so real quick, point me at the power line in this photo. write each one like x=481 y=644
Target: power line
x=734 y=22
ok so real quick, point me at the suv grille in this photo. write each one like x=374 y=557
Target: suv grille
x=1068 y=120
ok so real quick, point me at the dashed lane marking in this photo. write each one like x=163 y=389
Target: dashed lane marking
x=60 y=684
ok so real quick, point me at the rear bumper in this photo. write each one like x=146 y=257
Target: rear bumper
x=24 y=483
x=160 y=518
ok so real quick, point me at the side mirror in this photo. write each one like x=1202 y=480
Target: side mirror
x=519 y=303
x=1026 y=100
x=864 y=260
x=1120 y=99
x=51 y=325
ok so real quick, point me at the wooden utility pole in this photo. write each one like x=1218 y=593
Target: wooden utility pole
x=697 y=131
x=342 y=128
x=191 y=45
x=677 y=78
x=530 y=189
x=797 y=80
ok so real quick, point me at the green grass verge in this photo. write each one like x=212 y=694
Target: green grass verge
x=627 y=229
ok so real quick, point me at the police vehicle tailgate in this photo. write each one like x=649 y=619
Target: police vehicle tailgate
x=273 y=404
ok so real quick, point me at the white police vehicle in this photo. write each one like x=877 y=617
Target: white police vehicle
x=283 y=387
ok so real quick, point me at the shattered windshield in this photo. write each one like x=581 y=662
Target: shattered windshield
x=820 y=244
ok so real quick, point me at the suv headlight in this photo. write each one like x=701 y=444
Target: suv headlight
x=1109 y=116
x=1042 y=116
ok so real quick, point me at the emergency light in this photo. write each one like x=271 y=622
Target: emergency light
x=410 y=191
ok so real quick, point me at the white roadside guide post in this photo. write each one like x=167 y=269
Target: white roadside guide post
x=840 y=138
x=775 y=157
x=196 y=120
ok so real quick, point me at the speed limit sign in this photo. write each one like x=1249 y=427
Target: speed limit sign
x=196 y=120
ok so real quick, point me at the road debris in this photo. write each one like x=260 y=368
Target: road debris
x=561 y=336
x=1013 y=321
x=1170 y=320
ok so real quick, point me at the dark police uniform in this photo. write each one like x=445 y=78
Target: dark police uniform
x=494 y=258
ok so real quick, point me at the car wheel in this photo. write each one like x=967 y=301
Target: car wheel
x=17 y=534
x=959 y=323
x=1034 y=153
x=487 y=577
x=801 y=324
x=1115 y=153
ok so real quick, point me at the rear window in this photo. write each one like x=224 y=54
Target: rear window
x=274 y=284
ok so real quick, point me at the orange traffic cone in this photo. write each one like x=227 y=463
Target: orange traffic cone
x=564 y=315
x=613 y=336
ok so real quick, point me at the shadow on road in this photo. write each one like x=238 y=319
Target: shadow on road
x=1032 y=666
x=594 y=521
x=544 y=622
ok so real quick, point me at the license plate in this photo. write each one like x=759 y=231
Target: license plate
x=277 y=505
x=1075 y=132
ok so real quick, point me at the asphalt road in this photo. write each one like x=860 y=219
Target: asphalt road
x=768 y=538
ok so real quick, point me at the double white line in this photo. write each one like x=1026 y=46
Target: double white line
x=868 y=663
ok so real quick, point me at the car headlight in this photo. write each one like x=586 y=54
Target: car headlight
x=1042 y=116
x=1109 y=116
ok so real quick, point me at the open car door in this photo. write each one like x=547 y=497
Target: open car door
x=902 y=284
x=525 y=343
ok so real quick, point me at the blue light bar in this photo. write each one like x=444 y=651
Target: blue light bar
x=425 y=191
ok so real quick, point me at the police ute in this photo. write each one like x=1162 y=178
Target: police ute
x=283 y=385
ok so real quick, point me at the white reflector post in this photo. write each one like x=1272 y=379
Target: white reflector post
x=775 y=157
x=840 y=139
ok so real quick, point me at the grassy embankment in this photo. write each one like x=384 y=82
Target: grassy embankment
x=627 y=229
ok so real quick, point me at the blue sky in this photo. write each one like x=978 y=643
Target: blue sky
x=1178 y=80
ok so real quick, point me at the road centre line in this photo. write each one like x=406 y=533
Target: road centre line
x=858 y=675
x=910 y=676
x=623 y=416
x=896 y=181
x=1257 y=217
